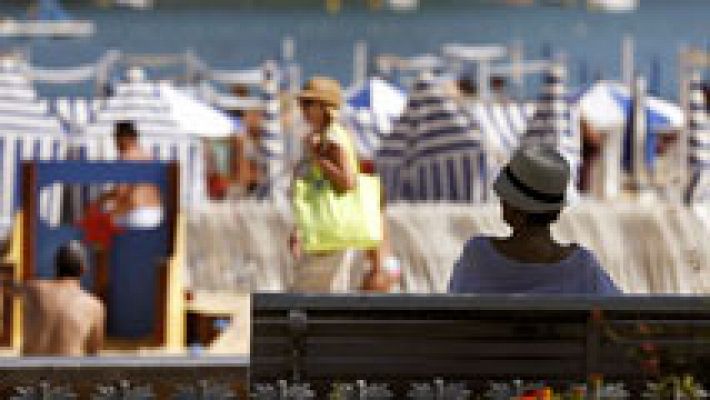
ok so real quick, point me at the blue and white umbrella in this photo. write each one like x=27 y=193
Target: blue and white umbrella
x=552 y=121
x=371 y=111
x=434 y=152
x=698 y=144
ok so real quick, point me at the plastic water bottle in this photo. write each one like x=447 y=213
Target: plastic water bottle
x=393 y=268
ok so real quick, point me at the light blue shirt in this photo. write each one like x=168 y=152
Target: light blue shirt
x=482 y=269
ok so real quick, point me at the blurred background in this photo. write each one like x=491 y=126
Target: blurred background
x=243 y=33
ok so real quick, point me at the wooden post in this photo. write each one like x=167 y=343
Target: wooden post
x=172 y=204
x=102 y=262
x=29 y=217
x=163 y=271
x=161 y=303
x=7 y=274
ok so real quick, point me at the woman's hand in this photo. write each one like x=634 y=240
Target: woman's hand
x=312 y=144
x=295 y=245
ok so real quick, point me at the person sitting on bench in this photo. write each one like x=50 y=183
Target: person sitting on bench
x=532 y=193
x=136 y=206
x=60 y=318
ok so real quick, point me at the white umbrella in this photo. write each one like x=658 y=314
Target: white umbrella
x=197 y=117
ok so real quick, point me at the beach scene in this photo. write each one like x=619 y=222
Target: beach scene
x=341 y=199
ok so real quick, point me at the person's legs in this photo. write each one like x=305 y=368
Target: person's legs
x=323 y=273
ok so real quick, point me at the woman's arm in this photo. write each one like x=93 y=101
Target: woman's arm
x=333 y=162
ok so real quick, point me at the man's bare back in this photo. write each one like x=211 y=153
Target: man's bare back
x=140 y=195
x=60 y=318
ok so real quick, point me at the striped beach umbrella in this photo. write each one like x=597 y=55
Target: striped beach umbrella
x=140 y=101
x=273 y=141
x=20 y=109
x=392 y=157
x=698 y=144
x=434 y=152
x=502 y=127
x=28 y=131
x=551 y=122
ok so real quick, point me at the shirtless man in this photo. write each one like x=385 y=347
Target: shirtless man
x=60 y=318
x=135 y=206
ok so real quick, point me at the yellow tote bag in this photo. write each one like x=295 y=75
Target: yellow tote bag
x=330 y=221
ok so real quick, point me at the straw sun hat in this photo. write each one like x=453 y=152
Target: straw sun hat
x=323 y=89
x=535 y=180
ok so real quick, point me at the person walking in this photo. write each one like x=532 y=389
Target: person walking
x=330 y=159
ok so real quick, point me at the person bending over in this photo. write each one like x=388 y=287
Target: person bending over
x=531 y=189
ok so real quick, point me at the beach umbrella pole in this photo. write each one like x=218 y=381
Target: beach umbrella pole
x=517 y=55
x=627 y=60
x=360 y=62
x=640 y=173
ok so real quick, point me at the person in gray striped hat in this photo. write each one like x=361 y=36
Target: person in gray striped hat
x=532 y=190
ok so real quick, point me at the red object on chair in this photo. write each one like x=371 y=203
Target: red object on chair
x=217 y=186
x=98 y=228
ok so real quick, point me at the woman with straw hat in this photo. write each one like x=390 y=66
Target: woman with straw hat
x=532 y=193
x=330 y=155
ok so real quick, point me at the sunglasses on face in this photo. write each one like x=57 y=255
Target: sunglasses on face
x=305 y=103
